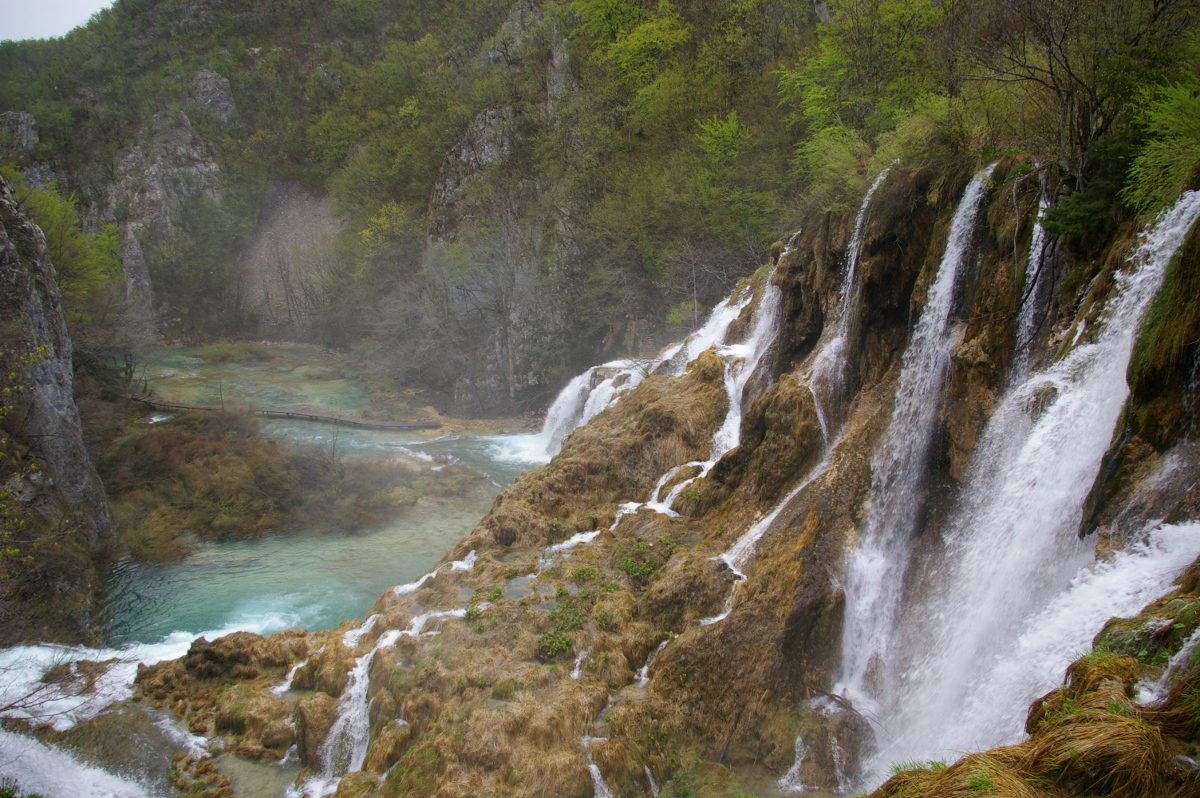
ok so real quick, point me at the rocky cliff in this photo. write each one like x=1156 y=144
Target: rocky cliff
x=48 y=576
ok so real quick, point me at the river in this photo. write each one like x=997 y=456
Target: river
x=152 y=612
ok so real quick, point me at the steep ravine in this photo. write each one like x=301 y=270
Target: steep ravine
x=593 y=637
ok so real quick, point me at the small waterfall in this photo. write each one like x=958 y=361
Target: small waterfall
x=741 y=364
x=1031 y=304
x=566 y=412
x=345 y=746
x=826 y=376
x=828 y=370
x=1016 y=596
x=599 y=387
x=875 y=572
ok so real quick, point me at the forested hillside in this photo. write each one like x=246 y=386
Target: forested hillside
x=521 y=190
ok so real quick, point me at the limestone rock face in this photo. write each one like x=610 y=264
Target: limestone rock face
x=62 y=487
x=213 y=97
x=486 y=143
x=169 y=165
x=20 y=132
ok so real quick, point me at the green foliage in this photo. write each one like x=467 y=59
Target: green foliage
x=834 y=164
x=585 y=575
x=605 y=21
x=1169 y=161
x=1167 y=340
x=722 y=140
x=551 y=644
x=910 y=765
x=567 y=616
x=84 y=264
x=979 y=783
x=639 y=55
x=640 y=562
x=10 y=790
x=869 y=68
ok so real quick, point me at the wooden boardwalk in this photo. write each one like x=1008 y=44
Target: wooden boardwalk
x=345 y=421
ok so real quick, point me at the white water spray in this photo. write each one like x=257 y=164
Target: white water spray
x=598 y=388
x=826 y=376
x=997 y=629
x=1027 y=320
x=875 y=572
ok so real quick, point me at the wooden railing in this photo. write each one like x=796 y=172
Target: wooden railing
x=346 y=421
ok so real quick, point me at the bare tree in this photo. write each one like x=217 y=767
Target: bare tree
x=1078 y=59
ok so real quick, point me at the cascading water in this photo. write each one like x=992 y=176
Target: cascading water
x=826 y=376
x=345 y=747
x=875 y=572
x=1027 y=324
x=828 y=370
x=741 y=364
x=994 y=632
x=600 y=386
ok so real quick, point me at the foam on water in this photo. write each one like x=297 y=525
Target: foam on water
x=60 y=706
x=36 y=768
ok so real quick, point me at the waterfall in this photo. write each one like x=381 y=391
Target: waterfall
x=1027 y=325
x=828 y=370
x=875 y=572
x=826 y=376
x=1012 y=548
x=741 y=364
x=599 y=387
x=345 y=747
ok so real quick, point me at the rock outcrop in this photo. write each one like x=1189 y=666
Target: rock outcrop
x=47 y=467
x=18 y=132
x=214 y=97
x=168 y=166
x=570 y=632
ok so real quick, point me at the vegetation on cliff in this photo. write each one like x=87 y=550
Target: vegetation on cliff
x=527 y=188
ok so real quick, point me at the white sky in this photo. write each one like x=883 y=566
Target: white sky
x=41 y=19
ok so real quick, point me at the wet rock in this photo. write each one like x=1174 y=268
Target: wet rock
x=314 y=717
x=333 y=670
x=389 y=746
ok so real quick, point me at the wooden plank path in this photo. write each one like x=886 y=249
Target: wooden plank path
x=347 y=421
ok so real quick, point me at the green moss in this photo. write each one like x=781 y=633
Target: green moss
x=1166 y=346
x=415 y=774
x=979 y=783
